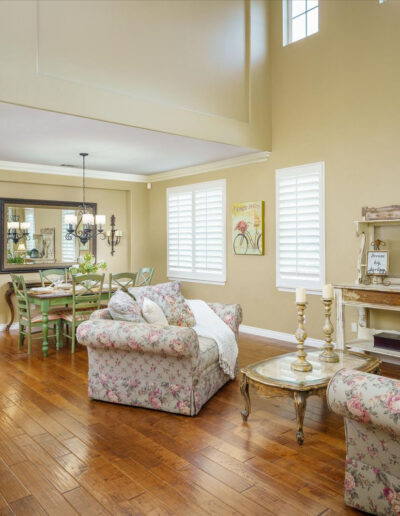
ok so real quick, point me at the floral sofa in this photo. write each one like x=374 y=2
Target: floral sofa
x=370 y=405
x=165 y=368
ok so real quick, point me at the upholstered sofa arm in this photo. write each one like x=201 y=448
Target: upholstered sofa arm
x=366 y=398
x=230 y=314
x=174 y=341
x=103 y=313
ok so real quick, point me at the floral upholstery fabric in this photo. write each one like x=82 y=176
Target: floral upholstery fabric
x=169 y=298
x=231 y=314
x=103 y=313
x=144 y=365
x=123 y=307
x=370 y=405
x=142 y=338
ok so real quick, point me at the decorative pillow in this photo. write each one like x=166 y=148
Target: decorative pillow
x=169 y=298
x=177 y=311
x=123 y=307
x=153 y=313
x=162 y=289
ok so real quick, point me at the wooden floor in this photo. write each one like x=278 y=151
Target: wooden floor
x=61 y=453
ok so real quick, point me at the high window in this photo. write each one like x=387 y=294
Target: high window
x=196 y=226
x=300 y=19
x=300 y=227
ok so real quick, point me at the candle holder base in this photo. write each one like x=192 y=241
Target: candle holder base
x=302 y=366
x=329 y=355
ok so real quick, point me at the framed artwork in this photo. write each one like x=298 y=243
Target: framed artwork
x=48 y=244
x=377 y=263
x=248 y=227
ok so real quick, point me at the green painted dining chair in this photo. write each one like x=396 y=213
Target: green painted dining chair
x=27 y=320
x=144 y=277
x=52 y=275
x=121 y=281
x=86 y=298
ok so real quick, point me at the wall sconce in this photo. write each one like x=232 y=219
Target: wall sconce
x=113 y=236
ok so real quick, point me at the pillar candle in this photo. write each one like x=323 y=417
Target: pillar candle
x=327 y=291
x=301 y=295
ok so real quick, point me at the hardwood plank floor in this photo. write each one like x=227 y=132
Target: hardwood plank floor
x=61 y=453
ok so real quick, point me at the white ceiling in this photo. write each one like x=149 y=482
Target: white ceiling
x=45 y=138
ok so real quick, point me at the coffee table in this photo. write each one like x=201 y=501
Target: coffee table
x=274 y=377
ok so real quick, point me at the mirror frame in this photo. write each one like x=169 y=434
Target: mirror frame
x=4 y=201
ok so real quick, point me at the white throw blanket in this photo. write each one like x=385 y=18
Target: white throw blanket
x=209 y=325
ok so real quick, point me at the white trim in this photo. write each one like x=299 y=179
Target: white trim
x=14 y=326
x=297 y=171
x=313 y=292
x=278 y=335
x=247 y=159
x=186 y=280
x=72 y=172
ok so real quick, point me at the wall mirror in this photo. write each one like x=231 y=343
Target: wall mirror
x=32 y=235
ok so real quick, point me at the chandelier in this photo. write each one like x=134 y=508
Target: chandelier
x=17 y=230
x=90 y=226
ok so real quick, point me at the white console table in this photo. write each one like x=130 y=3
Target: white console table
x=365 y=297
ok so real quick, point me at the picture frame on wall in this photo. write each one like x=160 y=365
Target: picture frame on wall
x=248 y=232
x=377 y=263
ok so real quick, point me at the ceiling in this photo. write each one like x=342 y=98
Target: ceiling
x=46 y=138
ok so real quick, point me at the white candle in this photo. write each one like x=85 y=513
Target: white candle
x=87 y=218
x=327 y=291
x=25 y=225
x=71 y=219
x=301 y=295
x=100 y=220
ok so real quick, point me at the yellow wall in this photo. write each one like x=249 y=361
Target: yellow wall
x=334 y=99
x=196 y=68
x=127 y=201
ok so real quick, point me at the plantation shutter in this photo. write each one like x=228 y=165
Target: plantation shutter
x=68 y=253
x=30 y=217
x=196 y=232
x=300 y=227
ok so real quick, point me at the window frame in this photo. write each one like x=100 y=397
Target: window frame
x=312 y=287
x=196 y=277
x=287 y=21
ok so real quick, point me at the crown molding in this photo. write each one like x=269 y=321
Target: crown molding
x=247 y=159
x=72 y=172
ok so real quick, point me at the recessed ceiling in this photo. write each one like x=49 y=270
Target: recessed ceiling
x=45 y=138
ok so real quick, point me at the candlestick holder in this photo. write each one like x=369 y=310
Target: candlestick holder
x=328 y=353
x=301 y=363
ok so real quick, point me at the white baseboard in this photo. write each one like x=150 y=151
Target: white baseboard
x=14 y=326
x=278 y=335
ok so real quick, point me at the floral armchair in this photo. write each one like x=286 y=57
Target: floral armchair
x=370 y=405
x=165 y=368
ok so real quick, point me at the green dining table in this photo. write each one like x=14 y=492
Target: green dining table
x=60 y=298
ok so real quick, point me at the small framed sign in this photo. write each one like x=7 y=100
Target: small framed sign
x=377 y=263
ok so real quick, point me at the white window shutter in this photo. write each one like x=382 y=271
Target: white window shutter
x=300 y=227
x=196 y=232
x=68 y=254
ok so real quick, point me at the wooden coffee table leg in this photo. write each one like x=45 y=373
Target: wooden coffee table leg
x=300 y=403
x=244 y=389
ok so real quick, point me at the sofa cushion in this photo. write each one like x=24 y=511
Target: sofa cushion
x=169 y=298
x=208 y=353
x=123 y=307
x=153 y=313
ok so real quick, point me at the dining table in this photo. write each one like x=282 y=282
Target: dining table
x=54 y=297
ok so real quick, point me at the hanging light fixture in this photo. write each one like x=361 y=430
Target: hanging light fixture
x=17 y=230
x=91 y=226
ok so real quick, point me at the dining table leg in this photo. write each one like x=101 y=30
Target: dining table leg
x=45 y=307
